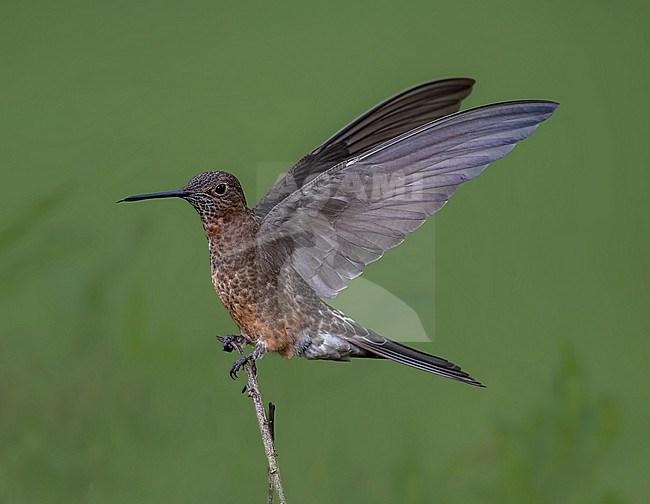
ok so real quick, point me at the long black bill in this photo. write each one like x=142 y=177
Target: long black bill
x=165 y=194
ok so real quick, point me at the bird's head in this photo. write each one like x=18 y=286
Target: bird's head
x=212 y=194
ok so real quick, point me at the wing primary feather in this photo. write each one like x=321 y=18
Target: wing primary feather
x=401 y=113
x=366 y=205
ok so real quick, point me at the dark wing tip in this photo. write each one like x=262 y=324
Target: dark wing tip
x=467 y=81
x=550 y=104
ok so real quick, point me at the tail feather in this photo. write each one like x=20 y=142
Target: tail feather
x=388 y=349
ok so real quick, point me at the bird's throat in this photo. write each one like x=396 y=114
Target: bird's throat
x=231 y=231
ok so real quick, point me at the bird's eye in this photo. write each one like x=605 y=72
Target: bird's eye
x=221 y=189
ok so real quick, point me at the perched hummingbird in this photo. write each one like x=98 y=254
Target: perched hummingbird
x=339 y=208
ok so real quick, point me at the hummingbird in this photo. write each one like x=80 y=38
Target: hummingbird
x=340 y=208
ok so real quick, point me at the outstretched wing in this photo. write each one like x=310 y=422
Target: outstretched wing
x=346 y=217
x=401 y=113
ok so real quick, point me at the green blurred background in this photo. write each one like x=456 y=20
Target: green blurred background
x=112 y=387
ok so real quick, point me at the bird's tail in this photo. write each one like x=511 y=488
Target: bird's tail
x=388 y=349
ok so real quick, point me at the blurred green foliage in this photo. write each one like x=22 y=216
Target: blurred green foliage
x=554 y=454
x=112 y=387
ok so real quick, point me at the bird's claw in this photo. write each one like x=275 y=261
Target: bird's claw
x=239 y=363
x=232 y=342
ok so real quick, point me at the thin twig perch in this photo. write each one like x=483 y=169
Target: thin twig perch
x=271 y=422
x=267 y=437
x=267 y=426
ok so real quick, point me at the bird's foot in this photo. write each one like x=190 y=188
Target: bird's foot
x=250 y=358
x=239 y=363
x=232 y=342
